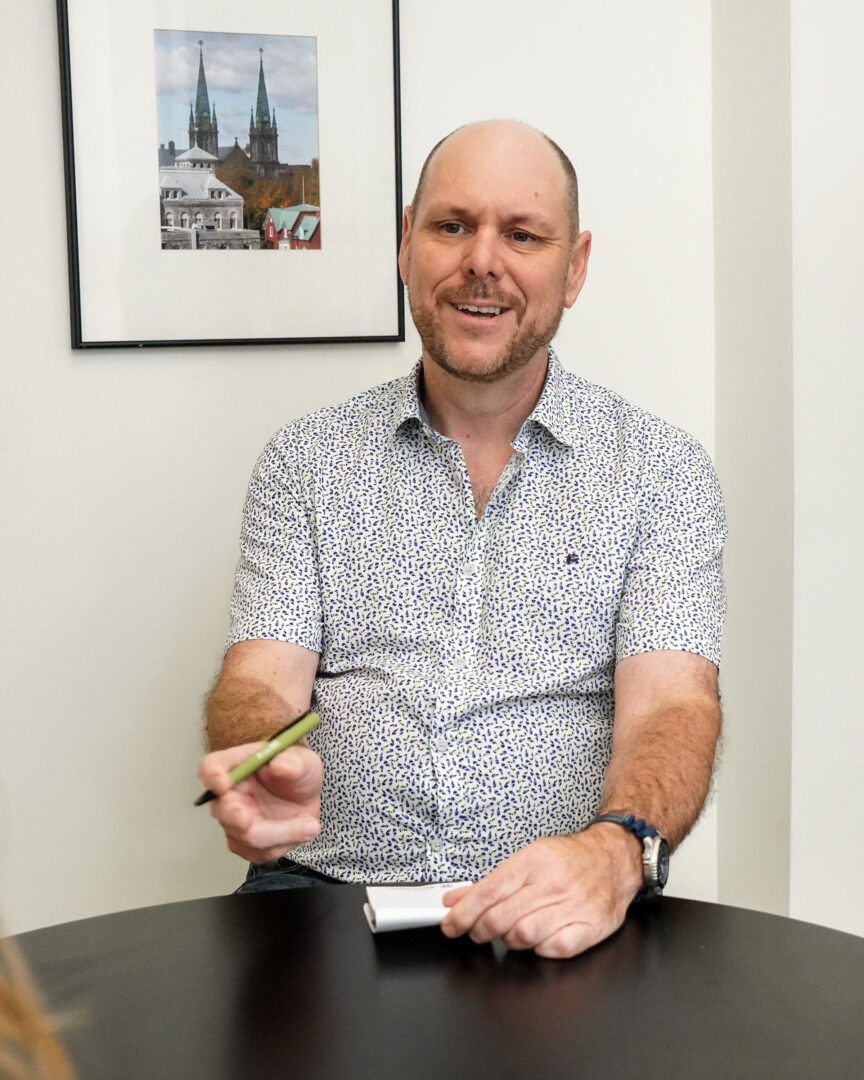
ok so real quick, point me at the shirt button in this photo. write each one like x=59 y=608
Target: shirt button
x=460 y=663
x=471 y=568
x=436 y=845
x=440 y=743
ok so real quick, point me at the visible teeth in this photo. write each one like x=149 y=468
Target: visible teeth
x=481 y=310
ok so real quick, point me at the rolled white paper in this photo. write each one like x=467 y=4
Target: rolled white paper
x=405 y=907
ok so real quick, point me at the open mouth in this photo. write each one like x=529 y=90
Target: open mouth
x=481 y=311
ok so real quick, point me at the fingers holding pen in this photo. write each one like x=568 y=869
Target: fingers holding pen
x=297 y=775
x=271 y=811
x=214 y=767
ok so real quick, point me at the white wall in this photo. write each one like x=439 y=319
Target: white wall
x=753 y=314
x=789 y=175
x=827 y=880
x=124 y=471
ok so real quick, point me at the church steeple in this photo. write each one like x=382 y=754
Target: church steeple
x=262 y=108
x=202 y=100
x=263 y=135
x=203 y=131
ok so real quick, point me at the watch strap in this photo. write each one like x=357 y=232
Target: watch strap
x=638 y=826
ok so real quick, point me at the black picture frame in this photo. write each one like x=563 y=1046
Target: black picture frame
x=127 y=290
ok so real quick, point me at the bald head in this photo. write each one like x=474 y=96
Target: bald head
x=520 y=132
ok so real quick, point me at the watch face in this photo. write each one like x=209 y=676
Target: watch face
x=663 y=864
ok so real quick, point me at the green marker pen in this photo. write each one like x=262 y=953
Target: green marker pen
x=289 y=735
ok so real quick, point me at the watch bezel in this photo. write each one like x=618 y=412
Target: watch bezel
x=655 y=865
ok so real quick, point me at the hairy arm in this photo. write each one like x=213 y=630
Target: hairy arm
x=263 y=686
x=562 y=894
x=667 y=722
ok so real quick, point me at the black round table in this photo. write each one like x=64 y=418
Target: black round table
x=293 y=984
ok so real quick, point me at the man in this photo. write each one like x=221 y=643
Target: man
x=476 y=569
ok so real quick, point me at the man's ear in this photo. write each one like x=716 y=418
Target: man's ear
x=578 y=267
x=403 y=247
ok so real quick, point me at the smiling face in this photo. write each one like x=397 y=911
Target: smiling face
x=487 y=254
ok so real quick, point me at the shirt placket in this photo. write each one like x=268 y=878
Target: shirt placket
x=460 y=674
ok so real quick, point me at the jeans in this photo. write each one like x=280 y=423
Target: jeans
x=283 y=873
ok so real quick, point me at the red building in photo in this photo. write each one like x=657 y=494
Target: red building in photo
x=293 y=228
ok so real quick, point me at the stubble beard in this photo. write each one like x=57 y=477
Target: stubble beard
x=524 y=345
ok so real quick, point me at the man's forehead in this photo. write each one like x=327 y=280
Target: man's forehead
x=493 y=141
x=503 y=163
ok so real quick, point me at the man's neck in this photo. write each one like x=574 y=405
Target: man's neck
x=483 y=413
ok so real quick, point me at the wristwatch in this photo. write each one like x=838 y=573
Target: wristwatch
x=655 y=851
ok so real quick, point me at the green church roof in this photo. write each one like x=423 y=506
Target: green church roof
x=202 y=100
x=262 y=106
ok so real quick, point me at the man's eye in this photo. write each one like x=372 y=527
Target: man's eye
x=452 y=228
x=522 y=237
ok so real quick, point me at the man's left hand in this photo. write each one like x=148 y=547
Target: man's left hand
x=559 y=895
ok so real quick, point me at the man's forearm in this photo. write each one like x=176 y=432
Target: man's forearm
x=241 y=710
x=263 y=686
x=661 y=767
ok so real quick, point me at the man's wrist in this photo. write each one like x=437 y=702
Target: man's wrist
x=624 y=852
x=654 y=849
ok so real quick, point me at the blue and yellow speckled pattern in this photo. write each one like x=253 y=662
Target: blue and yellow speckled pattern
x=466 y=674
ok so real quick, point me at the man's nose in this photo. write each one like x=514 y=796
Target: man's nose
x=483 y=255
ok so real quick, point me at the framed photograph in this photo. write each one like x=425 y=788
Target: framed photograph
x=233 y=171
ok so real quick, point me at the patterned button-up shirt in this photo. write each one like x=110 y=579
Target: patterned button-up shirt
x=465 y=680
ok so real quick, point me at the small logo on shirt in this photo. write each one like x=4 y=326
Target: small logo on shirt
x=572 y=558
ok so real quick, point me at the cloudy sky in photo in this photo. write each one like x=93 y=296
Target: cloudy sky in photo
x=231 y=69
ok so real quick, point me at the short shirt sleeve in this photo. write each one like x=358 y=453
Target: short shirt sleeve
x=276 y=585
x=674 y=596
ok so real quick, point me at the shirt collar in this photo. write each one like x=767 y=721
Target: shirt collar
x=408 y=403
x=551 y=411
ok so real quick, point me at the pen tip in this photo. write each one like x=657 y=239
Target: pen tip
x=206 y=797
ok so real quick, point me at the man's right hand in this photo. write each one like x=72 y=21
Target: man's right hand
x=273 y=810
